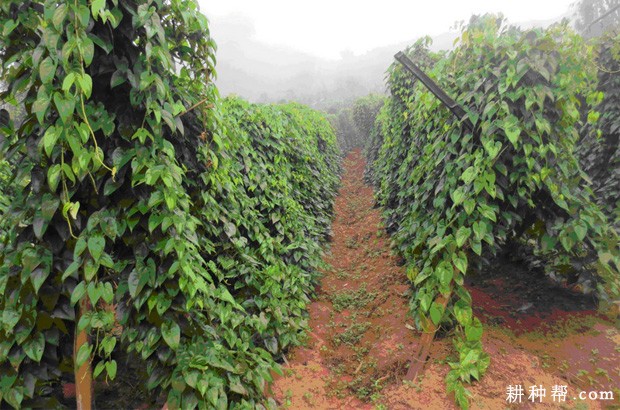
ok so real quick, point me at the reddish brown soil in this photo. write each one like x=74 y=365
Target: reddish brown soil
x=361 y=334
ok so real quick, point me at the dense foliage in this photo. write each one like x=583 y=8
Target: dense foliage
x=5 y=174
x=452 y=196
x=600 y=147
x=132 y=209
x=4 y=199
x=342 y=121
x=424 y=59
x=365 y=111
x=354 y=122
x=283 y=180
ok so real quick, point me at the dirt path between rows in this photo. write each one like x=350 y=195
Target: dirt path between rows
x=361 y=334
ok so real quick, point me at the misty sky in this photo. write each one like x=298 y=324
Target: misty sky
x=326 y=28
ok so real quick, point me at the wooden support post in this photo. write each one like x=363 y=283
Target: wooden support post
x=418 y=360
x=83 y=373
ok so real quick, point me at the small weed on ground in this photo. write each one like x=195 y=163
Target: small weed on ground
x=352 y=335
x=355 y=299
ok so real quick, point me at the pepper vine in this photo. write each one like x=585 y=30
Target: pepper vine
x=131 y=227
x=452 y=196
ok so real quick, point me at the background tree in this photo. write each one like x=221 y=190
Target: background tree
x=595 y=17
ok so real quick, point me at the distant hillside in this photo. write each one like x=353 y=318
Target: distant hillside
x=266 y=73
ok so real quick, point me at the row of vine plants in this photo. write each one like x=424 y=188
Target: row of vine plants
x=354 y=123
x=452 y=196
x=599 y=146
x=149 y=221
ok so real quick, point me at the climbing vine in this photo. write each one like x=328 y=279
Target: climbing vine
x=599 y=148
x=130 y=211
x=453 y=196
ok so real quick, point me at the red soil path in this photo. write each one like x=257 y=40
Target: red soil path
x=361 y=334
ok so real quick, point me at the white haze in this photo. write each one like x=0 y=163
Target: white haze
x=325 y=52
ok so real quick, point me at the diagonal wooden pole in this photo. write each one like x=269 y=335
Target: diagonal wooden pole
x=448 y=101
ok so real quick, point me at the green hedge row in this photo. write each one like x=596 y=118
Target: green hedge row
x=365 y=111
x=270 y=202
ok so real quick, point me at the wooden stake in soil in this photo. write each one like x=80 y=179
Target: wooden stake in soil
x=83 y=374
x=418 y=360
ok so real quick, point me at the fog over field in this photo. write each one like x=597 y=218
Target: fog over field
x=264 y=69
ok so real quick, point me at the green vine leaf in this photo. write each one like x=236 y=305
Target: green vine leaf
x=65 y=106
x=512 y=130
x=96 y=245
x=462 y=235
x=111 y=368
x=460 y=262
x=83 y=354
x=463 y=313
x=78 y=293
x=38 y=277
x=50 y=138
x=171 y=332
x=436 y=313
x=474 y=330
x=35 y=346
x=47 y=69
